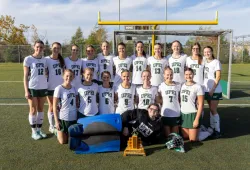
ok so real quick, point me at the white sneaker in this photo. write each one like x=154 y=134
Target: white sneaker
x=203 y=128
x=36 y=136
x=51 y=129
x=43 y=135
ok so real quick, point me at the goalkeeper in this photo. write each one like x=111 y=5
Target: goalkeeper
x=145 y=123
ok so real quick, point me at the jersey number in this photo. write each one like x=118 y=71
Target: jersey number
x=104 y=66
x=146 y=102
x=76 y=72
x=89 y=99
x=126 y=102
x=58 y=71
x=40 y=71
x=177 y=70
x=72 y=102
x=184 y=98
x=106 y=101
x=138 y=68
x=206 y=75
x=194 y=71
x=171 y=99
x=157 y=70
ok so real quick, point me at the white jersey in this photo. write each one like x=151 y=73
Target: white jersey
x=106 y=100
x=146 y=96
x=55 y=76
x=178 y=66
x=209 y=75
x=120 y=65
x=139 y=65
x=76 y=67
x=87 y=96
x=198 y=69
x=37 y=69
x=93 y=64
x=125 y=98
x=170 y=99
x=67 y=102
x=157 y=70
x=189 y=96
x=105 y=64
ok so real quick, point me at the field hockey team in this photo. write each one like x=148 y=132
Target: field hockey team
x=159 y=93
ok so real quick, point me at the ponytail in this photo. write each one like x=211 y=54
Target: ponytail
x=60 y=57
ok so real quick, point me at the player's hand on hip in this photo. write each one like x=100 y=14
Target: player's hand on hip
x=195 y=123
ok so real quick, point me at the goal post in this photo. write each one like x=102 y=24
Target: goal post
x=222 y=46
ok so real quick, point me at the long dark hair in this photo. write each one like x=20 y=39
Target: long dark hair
x=60 y=57
x=181 y=48
x=143 y=52
x=200 y=58
x=211 y=50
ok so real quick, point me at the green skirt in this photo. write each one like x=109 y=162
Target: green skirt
x=188 y=119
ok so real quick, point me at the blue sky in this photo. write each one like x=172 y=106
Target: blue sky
x=59 y=19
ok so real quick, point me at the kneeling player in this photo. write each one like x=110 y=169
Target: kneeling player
x=146 y=123
x=66 y=96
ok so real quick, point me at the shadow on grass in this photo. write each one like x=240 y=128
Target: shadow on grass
x=152 y=150
x=238 y=94
x=234 y=121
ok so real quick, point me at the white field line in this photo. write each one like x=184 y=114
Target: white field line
x=24 y=104
x=11 y=81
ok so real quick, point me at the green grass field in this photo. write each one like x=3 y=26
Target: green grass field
x=19 y=151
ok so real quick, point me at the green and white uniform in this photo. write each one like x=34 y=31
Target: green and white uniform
x=139 y=65
x=93 y=64
x=105 y=64
x=209 y=79
x=170 y=99
x=178 y=66
x=55 y=77
x=76 y=67
x=87 y=95
x=157 y=67
x=188 y=103
x=125 y=98
x=67 y=102
x=120 y=65
x=198 y=69
x=106 y=100
x=37 y=67
x=146 y=96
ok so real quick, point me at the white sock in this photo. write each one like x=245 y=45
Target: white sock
x=217 y=122
x=203 y=135
x=32 y=121
x=51 y=119
x=39 y=120
x=211 y=120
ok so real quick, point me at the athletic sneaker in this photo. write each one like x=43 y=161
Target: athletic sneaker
x=36 y=136
x=51 y=129
x=216 y=134
x=43 y=135
x=203 y=128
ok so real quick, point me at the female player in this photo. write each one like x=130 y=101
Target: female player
x=191 y=94
x=91 y=62
x=196 y=63
x=56 y=65
x=146 y=93
x=121 y=62
x=106 y=94
x=105 y=60
x=146 y=123
x=88 y=95
x=35 y=87
x=75 y=64
x=139 y=63
x=157 y=64
x=177 y=62
x=169 y=95
x=213 y=90
x=65 y=95
x=125 y=94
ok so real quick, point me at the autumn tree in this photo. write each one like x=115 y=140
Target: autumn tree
x=10 y=33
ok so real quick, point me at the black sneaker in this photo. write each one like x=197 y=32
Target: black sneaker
x=216 y=135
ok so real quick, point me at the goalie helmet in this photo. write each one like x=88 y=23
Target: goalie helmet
x=175 y=142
